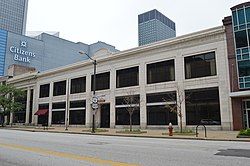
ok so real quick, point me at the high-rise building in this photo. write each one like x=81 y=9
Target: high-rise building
x=154 y=26
x=13 y=15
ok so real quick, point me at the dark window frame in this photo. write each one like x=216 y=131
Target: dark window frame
x=78 y=85
x=101 y=78
x=44 y=90
x=59 y=88
x=127 y=77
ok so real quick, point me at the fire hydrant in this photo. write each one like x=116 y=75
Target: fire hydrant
x=170 y=129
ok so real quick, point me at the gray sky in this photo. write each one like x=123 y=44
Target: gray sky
x=115 y=21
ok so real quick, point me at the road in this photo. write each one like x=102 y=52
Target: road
x=21 y=148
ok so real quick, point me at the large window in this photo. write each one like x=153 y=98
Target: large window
x=59 y=88
x=160 y=72
x=241 y=39
x=122 y=116
x=201 y=65
x=58 y=113
x=44 y=90
x=77 y=112
x=78 y=85
x=127 y=77
x=102 y=81
x=122 y=106
x=203 y=106
x=157 y=112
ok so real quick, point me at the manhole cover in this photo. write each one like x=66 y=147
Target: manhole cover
x=234 y=152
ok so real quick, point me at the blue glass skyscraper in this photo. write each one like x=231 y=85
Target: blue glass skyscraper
x=13 y=15
x=154 y=26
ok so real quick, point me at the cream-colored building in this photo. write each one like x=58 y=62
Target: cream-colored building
x=194 y=64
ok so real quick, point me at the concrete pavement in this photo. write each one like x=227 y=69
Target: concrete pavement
x=211 y=135
x=22 y=148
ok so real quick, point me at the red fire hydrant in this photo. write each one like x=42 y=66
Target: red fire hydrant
x=170 y=129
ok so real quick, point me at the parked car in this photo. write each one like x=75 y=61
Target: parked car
x=209 y=122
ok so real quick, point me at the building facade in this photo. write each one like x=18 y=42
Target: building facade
x=238 y=42
x=43 y=52
x=194 y=65
x=13 y=15
x=153 y=26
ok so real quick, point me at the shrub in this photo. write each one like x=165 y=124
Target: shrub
x=245 y=132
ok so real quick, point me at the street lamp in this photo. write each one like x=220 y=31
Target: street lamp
x=94 y=99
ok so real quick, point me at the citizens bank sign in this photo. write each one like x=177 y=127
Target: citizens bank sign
x=21 y=54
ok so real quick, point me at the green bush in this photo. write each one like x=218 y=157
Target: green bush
x=245 y=132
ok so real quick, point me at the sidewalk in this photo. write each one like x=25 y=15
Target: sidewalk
x=211 y=135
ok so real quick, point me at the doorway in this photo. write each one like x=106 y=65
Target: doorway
x=105 y=116
x=246 y=116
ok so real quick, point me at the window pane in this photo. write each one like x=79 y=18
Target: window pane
x=200 y=65
x=44 y=90
x=160 y=72
x=102 y=81
x=235 y=18
x=122 y=117
x=78 y=104
x=241 y=16
x=78 y=85
x=244 y=68
x=127 y=77
x=160 y=115
x=248 y=14
x=59 y=88
x=161 y=97
x=203 y=106
x=58 y=117
x=77 y=117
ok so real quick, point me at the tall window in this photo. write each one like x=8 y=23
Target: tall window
x=19 y=116
x=201 y=65
x=102 y=81
x=58 y=113
x=44 y=90
x=78 y=85
x=157 y=112
x=127 y=77
x=59 y=88
x=77 y=112
x=203 y=106
x=160 y=72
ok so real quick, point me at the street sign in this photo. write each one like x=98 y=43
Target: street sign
x=94 y=105
x=94 y=99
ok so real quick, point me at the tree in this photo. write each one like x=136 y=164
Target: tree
x=177 y=107
x=8 y=94
x=132 y=103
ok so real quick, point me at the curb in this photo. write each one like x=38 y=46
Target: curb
x=124 y=135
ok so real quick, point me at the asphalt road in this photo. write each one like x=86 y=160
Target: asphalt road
x=19 y=148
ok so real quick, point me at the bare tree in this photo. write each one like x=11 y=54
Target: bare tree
x=177 y=107
x=132 y=103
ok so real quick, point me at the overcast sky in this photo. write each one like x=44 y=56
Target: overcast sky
x=116 y=21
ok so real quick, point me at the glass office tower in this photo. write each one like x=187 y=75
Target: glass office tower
x=13 y=15
x=154 y=26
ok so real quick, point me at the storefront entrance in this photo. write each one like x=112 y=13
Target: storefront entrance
x=105 y=116
x=246 y=117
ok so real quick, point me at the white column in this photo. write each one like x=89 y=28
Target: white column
x=89 y=114
x=112 y=97
x=11 y=118
x=50 y=103
x=35 y=104
x=143 y=107
x=179 y=77
x=67 y=102
x=27 y=106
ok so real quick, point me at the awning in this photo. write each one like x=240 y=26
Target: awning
x=42 y=112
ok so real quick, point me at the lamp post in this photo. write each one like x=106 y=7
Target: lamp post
x=94 y=100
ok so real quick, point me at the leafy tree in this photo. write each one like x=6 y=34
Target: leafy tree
x=8 y=94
